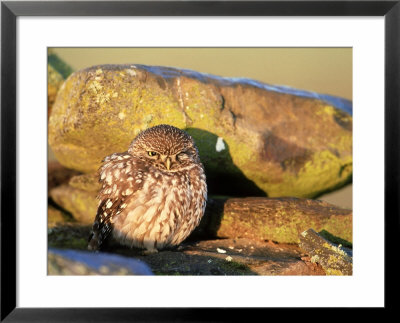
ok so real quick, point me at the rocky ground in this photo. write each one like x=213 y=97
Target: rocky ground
x=239 y=256
x=237 y=236
x=218 y=256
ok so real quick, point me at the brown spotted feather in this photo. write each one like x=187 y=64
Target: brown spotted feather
x=145 y=201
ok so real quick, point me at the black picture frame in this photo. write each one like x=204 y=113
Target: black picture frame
x=10 y=10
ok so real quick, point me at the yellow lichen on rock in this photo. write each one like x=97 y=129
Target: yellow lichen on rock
x=279 y=143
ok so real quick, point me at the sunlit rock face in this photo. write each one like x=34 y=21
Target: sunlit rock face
x=253 y=138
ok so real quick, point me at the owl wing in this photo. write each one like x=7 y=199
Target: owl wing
x=120 y=176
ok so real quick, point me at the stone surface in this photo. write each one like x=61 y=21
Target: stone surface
x=254 y=139
x=57 y=72
x=80 y=203
x=58 y=174
x=55 y=217
x=54 y=81
x=208 y=257
x=277 y=219
x=73 y=262
x=77 y=195
x=335 y=260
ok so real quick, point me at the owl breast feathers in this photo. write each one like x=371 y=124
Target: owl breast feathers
x=153 y=195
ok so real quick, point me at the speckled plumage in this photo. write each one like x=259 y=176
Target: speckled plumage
x=153 y=195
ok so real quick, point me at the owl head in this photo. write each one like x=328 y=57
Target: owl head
x=165 y=147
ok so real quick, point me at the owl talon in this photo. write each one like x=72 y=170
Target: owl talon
x=148 y=252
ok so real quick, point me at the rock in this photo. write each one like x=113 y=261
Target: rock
x=277 y=219
x=86 y=182
x=57 y=72
x=58 y=174
x=333 y=259
x=80 y=203
x=72 y=262
x=254 y=139
x=54 y=81
x=69 y=236
x=55 y=217
x=242 y=257
x=78 y=196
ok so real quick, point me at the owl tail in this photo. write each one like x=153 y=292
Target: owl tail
x=94 y=242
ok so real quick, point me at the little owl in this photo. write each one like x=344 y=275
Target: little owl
x=153 y=195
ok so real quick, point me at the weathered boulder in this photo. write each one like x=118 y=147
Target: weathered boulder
x=78 y=196
x=80 y=203
x=254 y=139
x=277 y=219
x=58 y=174
x=55 y=217
x=333 y=259
x=57 y=72
x=54 y=81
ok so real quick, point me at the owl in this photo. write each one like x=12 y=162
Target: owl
x=153 y=195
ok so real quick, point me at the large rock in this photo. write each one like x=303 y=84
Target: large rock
x=259 y=218
x=254 y=139
x=58 y=175
x=80 y=203
x=57 y=72
x=54 y=81
x=276 y=219
x=333 y=259
x=78 y=197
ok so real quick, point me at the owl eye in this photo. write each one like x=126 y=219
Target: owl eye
x=182 y=156
x=151 y=153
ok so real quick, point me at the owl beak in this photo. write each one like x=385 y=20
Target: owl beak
x=168 y=163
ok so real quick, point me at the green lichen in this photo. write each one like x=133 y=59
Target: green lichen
x=322 y=173
x=54 y=78
x=315 y=259
x=81 y=204
x=237 y=267
x=337 y=240
x=284 y=223
x=333 y=272
x=71 y=242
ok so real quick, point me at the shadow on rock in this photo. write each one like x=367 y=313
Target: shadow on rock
x=175 y=262
x=232 y=182
x=235 y=257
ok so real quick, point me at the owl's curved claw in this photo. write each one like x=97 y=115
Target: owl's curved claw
x=148 y=252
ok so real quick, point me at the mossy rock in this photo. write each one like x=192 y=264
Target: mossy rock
x=80 y=203
x=57 y=72
x=276 y=219
x=253 y=139
x=333 y=259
